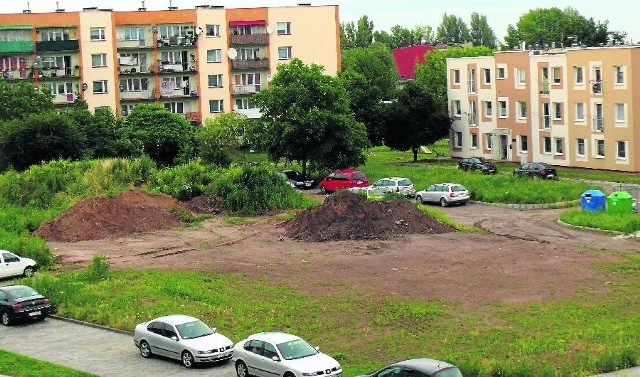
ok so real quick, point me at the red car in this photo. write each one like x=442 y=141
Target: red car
x=343 y=179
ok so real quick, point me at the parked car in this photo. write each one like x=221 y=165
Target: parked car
x=279 y=354
x=291 y=183
x=298 y=179
x=477 y=164
x=418 y=368
x=13 y=265
x=183 y=338
x=444 y=193
x=22 y=302
x=370 y=192
x=398 y=185
x=343 y=179
x=536 y=170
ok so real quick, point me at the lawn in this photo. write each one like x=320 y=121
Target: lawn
x=22 y=366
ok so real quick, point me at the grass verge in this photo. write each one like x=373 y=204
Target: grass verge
x=16 y=365
x=625 y=223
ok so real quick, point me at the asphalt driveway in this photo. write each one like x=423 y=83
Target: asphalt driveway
x=94 y=350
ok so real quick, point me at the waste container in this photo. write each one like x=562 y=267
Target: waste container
x=593 y=200
x=620 y=202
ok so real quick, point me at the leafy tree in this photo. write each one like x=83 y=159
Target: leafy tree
x=220 y=137
x=306 y=118
x=381 y=36
x=40 y=137
x=401 y=36
x=347 y=35
x=162 y=135
x=415 y=120
x=369 y=74
x=21 y=100
x=356 y=35
x=480 y=32
x=453 y=29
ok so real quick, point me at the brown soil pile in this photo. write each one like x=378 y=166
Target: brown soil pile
x=206 y=205
x=131 y=211
x=346 y=216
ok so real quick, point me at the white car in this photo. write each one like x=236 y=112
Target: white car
x=279 y=354
x=13 y=265
x=444 y=193
x=183 y=338
x=398 y=185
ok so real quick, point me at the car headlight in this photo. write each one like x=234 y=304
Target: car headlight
x=204 y=352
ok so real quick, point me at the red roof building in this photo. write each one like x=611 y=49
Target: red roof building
x=407 y=57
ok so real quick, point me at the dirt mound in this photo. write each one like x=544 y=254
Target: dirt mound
x=346 y=216
x=131 y=211
x=206 y=205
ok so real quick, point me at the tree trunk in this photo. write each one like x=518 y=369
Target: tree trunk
x=304 y=168
x=415 y=153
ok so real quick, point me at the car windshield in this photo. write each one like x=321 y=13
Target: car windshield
x=296 y=349
x=193 y=329
x=457 y=188
x=450 y=372
x=405 y=182
x=22 y=292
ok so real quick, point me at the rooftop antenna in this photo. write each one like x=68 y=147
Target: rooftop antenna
x=142 y=8
x=28 y=10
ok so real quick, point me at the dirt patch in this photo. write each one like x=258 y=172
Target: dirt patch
x=346 y=216
x=206 y=205
x=132 y=211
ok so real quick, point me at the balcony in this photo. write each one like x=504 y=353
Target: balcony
x=545 y=86
x=176 y=67
x=64 y=98
x=597 y=124
x=46 y=46
x=241 y=65
x=138 y=95
x=249 y=39
x=57 y=74
x=177 y=42
x=472 y=119
x=18 y=74
x=140 y=44
x=16 y=47
x=246 y=89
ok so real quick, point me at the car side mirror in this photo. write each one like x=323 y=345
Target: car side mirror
x=174 y=338
x=275 y=358
x=317 y=348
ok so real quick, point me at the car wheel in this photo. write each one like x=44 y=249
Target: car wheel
x=443 y=202
x=41 y=318
x=419 y=199
x=241 y=369
x=323 y=189
x=6 y=320
x=187 y=359
x=28 y=271
x=145 y=349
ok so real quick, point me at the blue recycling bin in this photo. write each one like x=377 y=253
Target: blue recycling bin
x=593 y=200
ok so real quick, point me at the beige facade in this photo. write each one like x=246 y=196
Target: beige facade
x=196 y=62
x=573 y=107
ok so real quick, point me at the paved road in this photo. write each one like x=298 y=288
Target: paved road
x=93 y=350
x=633 y=372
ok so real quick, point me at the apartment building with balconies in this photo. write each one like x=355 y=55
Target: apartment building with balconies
x=195 y=62
x=566 y=107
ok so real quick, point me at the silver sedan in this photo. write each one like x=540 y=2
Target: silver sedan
x=444 y=193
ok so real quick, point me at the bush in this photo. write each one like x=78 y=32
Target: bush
x=99 y=268
x=184 y=182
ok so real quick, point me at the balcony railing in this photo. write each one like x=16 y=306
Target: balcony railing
x=137 y=44
x=177 y=42
x=250 y=39
x=239 y=65
x=246 y=89
x=596 y=88
x=545 y=121
x=16 y=46
x=70 y=45
x=545 y=87
x=598 y=124
x=15 y=75
x=63 y=98
x=472 y=119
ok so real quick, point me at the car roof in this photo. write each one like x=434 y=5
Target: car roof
x=424 y=364
x=274 y=337
x=394 y=178
x=175 y=319
x=350 y=170
x=8 y=288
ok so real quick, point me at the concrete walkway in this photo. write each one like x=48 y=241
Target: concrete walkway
x=633 y=372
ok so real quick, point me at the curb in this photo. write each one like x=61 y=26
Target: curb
x=88 y=324
x=525 y=207
x=591 y=229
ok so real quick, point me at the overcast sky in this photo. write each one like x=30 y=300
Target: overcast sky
x=622 y=14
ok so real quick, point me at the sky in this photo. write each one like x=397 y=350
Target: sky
x=621 y=14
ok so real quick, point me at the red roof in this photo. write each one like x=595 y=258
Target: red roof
x=407 y=57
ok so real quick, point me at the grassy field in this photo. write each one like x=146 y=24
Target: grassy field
x=625 y=223
x=16 y=365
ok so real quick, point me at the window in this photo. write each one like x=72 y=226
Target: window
x=580 y=151
x=126 y=109
x=487 y=76
x=472 y=80
x=596 y=88
x=214 y=56
x=97 y=34
x=502 y=108
x=559 y=143
x=284 y=53
x=472 y=113
x=489 y=140
x=547 y=144
x=522 y=76
x=618 y=71
x=251 y=53
x=59 y=88
x=598 y=121
x=175 y=107
x=580 y=111
x=173 y=57
x=216 y=106
x=456 y=76
x=546 y=115
x=488 y=109
x=244 y=104
x=100 y=86
x=500 y=73
x=213 y=30
x=98 y=60
x=621 y=150
x=578 y=75
x=557 y=111
x=544 y=72
x=474 y=141
x=284 y=28
x=457 y=139
x=215 y=81
x=557 y=75
x=620 y=113
x=131 y=34
x=600 y=148
x=457 y=110
x=522 y=110
x=524 y=143
x=134 y=85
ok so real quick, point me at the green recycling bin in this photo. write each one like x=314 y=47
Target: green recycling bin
x=620 y=202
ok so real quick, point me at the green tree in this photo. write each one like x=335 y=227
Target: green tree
x=21 y=100
x=480 y=32
x=369 y=74
x=220 y=137
x=347 y=35
x=453 y=29
x=415 y=119
x=356 y=35
x=40 y=137
x=306 y=118
x=162 y=135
